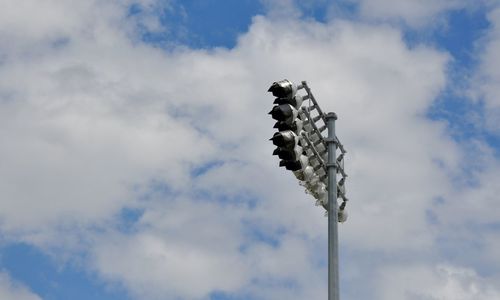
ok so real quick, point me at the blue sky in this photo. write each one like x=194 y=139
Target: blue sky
x=136 y=160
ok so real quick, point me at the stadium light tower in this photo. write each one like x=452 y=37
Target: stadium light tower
x=312 y=158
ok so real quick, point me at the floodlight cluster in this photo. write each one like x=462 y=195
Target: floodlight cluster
x=300 y=144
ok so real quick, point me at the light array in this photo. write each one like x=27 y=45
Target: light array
x=301 y=146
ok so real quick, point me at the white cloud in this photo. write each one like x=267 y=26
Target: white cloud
x=281 y=8
x=10 y=290
x=160 y=267
x=393 y=154
x=488 y=78
x=473 y=203
x=415 y=13
x=188 y=250
x=89 y=122
x=443 y=282
x=78 y=135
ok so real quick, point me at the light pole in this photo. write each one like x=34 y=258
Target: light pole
x=333 y=247
x=312 y=157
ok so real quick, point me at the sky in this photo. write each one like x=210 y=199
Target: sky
x=135 y=160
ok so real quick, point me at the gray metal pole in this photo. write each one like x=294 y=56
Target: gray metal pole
x=333 y=248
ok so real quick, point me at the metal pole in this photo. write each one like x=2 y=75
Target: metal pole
x=333 y=251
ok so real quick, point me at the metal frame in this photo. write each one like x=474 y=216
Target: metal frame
x=330 y=169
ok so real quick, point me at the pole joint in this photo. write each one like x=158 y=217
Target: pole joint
x=329 y=140
x=331 y=115
x=331 y=165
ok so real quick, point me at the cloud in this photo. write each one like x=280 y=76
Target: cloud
x=94 y=122
x=221 y=247
x=414 y=13
x=10 y=290
x=382 y=122
x=419 y=282
x=488 y=77
x=283 y=9
x=78 y=136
